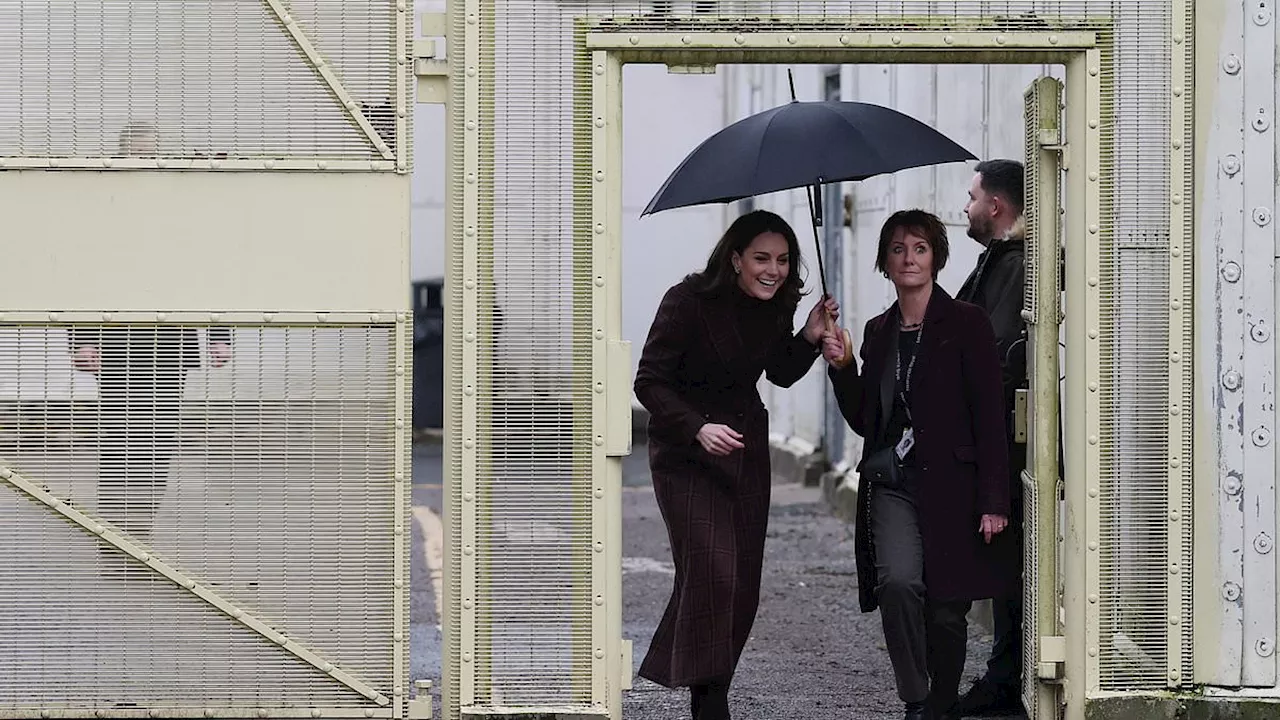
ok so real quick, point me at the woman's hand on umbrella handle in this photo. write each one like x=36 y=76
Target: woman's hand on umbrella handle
x=821 y=318
x=835 y=347
x=719 y=439
x=991 y=526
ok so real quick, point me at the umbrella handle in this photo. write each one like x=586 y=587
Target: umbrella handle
x=843 y=362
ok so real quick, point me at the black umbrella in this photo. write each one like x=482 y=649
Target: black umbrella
x=803 y=144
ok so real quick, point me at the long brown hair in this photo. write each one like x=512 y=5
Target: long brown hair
x=719 y=274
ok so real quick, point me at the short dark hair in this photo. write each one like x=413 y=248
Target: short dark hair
x=719 y=275
x=1004 y=178
x=926 y=225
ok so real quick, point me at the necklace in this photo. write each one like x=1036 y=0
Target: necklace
x=912 y=326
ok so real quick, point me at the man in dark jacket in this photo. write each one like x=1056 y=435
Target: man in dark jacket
x=996 y=285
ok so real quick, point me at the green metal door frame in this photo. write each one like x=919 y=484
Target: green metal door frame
x=1079 y=51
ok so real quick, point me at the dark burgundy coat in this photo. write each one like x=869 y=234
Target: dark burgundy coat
x=962 y=459
x=700 y=364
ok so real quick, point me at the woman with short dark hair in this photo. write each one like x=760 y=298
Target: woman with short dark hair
x=715 y=333
x=933 y=480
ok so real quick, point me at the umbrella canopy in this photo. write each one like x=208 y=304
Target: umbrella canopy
x=803 y=144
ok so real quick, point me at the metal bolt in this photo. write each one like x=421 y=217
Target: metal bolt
x=1260 y=332
x=1231 y=272
x=1262 y=543
x=1262 y=16
x=1261 y=122
x=1262 y=216
x=1231 y=591
x=1264 y=647
x=1231 y=380
x=1231 y=485
x=1262 y=437
x=1231 y=64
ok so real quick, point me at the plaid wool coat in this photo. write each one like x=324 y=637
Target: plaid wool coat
x=700 y=364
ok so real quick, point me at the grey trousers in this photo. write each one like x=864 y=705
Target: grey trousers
x=926 y=640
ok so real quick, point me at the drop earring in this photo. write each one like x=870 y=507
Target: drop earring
x=737 y=270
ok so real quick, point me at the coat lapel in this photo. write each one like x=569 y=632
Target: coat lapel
x=722 y=329
x=936 y=330
x=887 y=378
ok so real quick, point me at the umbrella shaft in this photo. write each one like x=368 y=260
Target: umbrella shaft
x=815 y=219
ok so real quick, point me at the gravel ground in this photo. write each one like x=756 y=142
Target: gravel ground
x=812 y=654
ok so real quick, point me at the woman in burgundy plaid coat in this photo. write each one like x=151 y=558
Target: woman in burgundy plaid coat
x=714 y=334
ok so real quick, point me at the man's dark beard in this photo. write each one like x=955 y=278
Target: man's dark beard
x=983 y=235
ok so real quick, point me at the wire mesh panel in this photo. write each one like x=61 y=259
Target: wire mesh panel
x=198 y=517
x=212 y=79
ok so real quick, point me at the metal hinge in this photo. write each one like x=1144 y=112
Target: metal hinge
x=420 y=706
x=1020 y=415
x=1053 y=655
x=431 y=71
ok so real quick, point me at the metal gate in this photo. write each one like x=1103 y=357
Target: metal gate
x=204 y=359
x=1043 y=640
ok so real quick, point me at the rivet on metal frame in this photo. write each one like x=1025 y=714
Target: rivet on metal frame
x=1263 y=544
x=1261 y=122
x=1264 y=647
x=1262 y=17
x=1261 y=437
x=1231 y=591
x=1231 y=272
x=1231 y=485
x=1262 y=216
x=1260 y=332
x=1231 y=380
x=1231 y=64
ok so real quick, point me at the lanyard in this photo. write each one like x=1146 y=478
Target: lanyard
x=897 y=374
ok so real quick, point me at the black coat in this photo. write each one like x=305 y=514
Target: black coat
x=960 y=453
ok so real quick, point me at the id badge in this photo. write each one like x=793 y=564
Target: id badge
x=907 y=442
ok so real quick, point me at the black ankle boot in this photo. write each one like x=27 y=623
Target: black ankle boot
x=696 y=694
x=715 y=703
x=917 y=711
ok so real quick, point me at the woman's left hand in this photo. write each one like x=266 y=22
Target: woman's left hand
x=816 y=324
x=991 y=526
